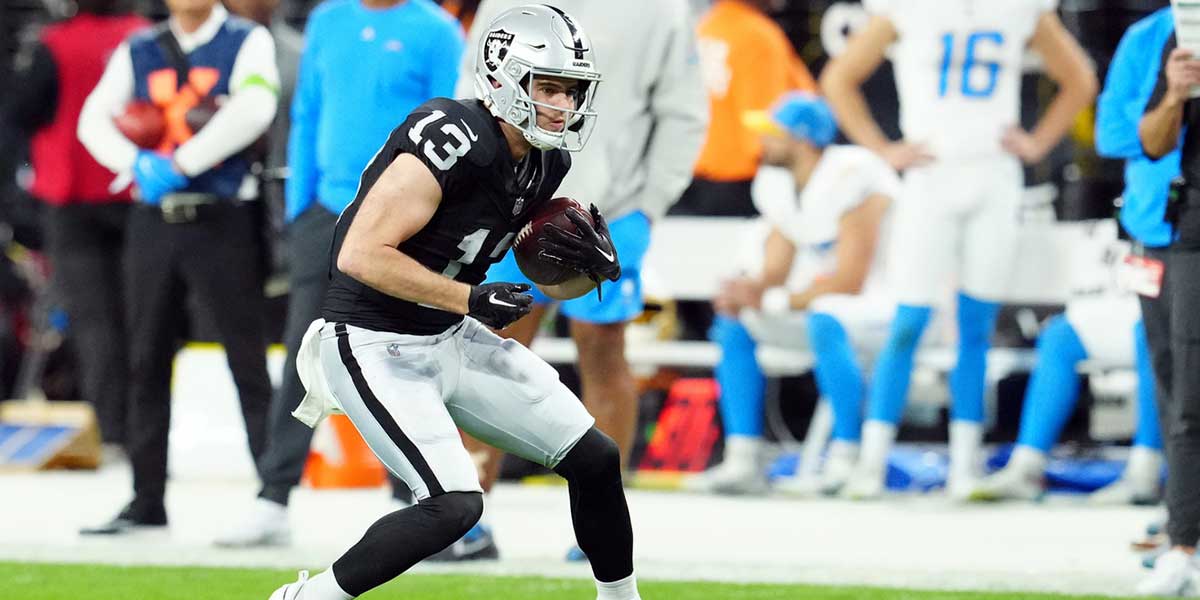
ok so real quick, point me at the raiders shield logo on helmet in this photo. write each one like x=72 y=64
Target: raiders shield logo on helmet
x=496 y=48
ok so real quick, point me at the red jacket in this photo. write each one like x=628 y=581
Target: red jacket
x=64 y=171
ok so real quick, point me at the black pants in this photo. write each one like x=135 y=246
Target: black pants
x=85 y=243
x=218 y=259
x=308 y=243
x=707 y=198
x=1173 y=331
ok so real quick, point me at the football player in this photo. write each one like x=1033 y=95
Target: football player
x=404 y=348
x=654 y=110
x=827 y=217
x=1102 y=322
x=958 y=73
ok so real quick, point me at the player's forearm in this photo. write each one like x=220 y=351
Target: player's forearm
x=394 y=273
x=778 y=255
x=246 y=116
x=838 y=283
x=853 y=114
x=1159 y=129
x=1073 y=97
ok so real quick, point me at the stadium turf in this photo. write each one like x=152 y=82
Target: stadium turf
x=30 y=581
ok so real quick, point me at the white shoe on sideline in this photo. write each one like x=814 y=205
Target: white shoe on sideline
x=801 y=486
x=1175 y=574
x=290 y=591
x=1009 y=483
x=1125 y=491
x=839 y=466
x=962 y=488
x=729 y=477
x=266 y=525
x=863 y=484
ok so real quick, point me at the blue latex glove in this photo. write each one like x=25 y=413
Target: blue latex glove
x=156 y=176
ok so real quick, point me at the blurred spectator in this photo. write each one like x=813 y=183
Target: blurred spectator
x=84 y=221
x=272 y=169
x=463 y=10
x=747 y=63
x=366 y=65
x=820 y=288
x=191 y=230
x=653 y=115
x=1170 y=287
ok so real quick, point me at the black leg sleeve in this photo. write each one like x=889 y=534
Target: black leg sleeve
x=598 y=509
x=401 y=539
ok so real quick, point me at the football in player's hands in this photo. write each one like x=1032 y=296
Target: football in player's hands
x=588 y=249
x=528 y=246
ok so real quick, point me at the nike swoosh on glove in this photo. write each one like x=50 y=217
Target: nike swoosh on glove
x=156 y=176
x=498 y=305
x=590 y=251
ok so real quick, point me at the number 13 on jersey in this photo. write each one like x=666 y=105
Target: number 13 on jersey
x=977 y=78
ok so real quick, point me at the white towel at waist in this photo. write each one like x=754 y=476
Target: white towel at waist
x=318 y=400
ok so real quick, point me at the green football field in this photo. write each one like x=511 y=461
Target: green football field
x=30 y=581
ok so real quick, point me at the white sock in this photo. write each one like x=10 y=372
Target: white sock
x=323 y=586
x=877 y=439
x=743 y=451
x=966 y=439
x=842 y=449
x=483 y=517
x=621 y=589
x=1030 y=462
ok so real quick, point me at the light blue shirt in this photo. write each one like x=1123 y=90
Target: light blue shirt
x=1130 y=83
x=362 y=72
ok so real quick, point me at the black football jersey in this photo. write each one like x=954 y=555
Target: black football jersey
x=486 y=198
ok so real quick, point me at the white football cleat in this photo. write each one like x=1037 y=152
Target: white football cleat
x=863 y=484
x=839 y=466
x=729 y=477
x=1175 y=575
x=1125 y=491
x=1009 y=483
x=291 y=591
x=266 y=525
x=803 y=486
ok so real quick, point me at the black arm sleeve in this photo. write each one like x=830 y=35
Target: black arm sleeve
x=33 y=97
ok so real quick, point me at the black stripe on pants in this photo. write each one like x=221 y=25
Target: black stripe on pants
x=406 y=446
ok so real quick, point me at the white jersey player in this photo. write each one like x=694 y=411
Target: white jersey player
x=958 y=68
x=827 y=207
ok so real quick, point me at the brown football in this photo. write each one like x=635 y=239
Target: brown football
x=526 y=246
x=142 y=123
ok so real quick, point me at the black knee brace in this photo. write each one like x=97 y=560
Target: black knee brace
x=598 y=510
x=594 y=456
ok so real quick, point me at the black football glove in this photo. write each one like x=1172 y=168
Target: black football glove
x=590 y=251
x=497 y=305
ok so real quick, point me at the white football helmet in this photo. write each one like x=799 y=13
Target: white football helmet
x=531 y=41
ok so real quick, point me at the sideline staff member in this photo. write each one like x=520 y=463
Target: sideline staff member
x=190 y=230
x=1174 y=330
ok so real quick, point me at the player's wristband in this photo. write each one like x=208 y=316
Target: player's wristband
x=777 y=301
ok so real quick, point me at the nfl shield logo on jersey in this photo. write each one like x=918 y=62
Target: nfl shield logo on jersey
x=518 y=205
